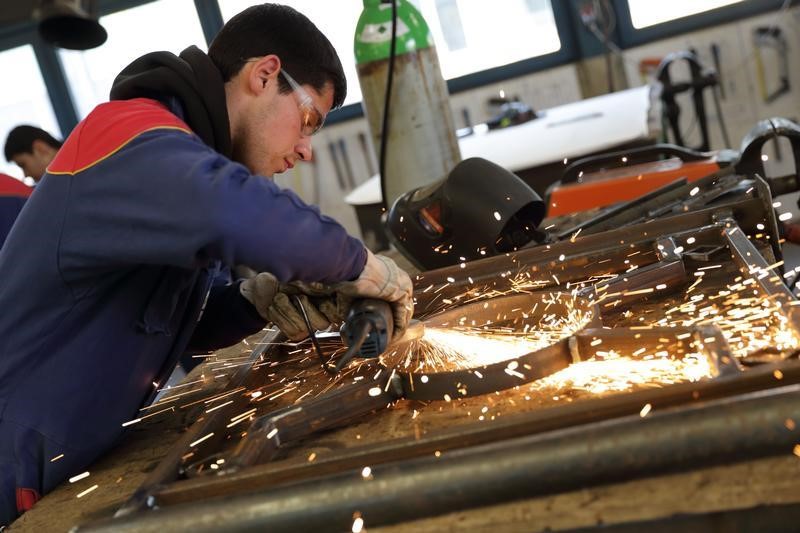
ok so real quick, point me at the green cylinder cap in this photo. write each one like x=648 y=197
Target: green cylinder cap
x=374 y=31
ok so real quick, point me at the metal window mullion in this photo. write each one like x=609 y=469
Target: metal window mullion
x=56 y=82
x=210 y=18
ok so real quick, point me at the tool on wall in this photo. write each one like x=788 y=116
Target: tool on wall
x=348 y=168
x=700 y=79
x=366 y=152
x=715 y=56
x=771 y=37
x=599 y=18
x=337 y=166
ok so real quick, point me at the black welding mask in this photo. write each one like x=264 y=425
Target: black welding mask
x=480 y=209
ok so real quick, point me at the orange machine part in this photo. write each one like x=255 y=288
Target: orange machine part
x=605 y=188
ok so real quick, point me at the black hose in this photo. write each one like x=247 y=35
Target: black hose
x=352 y=350
x=311 y=335
x=386 y=105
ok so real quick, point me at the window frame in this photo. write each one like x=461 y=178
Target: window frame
x=576 y=43
x=630 y=37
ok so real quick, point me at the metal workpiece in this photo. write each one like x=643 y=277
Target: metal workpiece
x=767 y=276
x=771 y=223
x=169 y=469
x=711 y=432
x=661 y=293
x=557 y=418
x=519 y=312
x=714 y=345
x=267 y=433
x=578 y=258
x=657 y=278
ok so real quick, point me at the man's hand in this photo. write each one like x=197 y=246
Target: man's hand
x=275 y=302
x=260 y=290
x=328 y=304
x=383 y=279
x=288 y=317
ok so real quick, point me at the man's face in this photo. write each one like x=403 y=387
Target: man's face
x=31 y=164
x=273 y=135
x=34 y=164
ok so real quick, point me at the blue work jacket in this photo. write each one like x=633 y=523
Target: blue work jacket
x=107 y=275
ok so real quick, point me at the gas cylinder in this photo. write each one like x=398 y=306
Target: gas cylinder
x=421 y=142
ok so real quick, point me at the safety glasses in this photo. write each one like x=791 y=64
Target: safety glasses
x=312 y=119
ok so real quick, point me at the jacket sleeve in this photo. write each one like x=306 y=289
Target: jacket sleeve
x=166 y=198
x=227 y=319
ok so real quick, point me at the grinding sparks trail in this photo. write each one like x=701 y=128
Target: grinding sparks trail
x=510 y=334
x=615 y=373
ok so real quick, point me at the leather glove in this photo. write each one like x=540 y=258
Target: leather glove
x=384 y=280
x=285 y=314
x=260 y=290
x=272 y=300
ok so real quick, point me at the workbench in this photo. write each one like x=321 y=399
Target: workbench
x=764 y=482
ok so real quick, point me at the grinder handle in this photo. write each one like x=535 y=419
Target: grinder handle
x=376 y=317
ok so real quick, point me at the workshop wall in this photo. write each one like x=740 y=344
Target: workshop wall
x=741 y=102
x=344 y=158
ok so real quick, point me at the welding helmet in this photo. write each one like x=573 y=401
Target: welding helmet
x=478 y=210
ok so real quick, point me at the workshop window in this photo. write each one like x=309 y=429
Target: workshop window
x=646 y=13
x=470 y=36
x=169 y=25
x=23 y=98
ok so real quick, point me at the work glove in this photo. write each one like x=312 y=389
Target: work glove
x=260 y=290
x=328 y=304
x=275 y=302
x=384 y=280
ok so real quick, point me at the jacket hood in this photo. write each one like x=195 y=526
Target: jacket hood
x=193 y=79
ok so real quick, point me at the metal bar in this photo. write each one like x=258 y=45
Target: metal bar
x=267 y=433
x=584 y=257
x=765 y=195
x=718 y=431
x=628 y=212
x=168 y=469
x=661 y=278
x=506 y=427
x=711 y=340
x=752 y=264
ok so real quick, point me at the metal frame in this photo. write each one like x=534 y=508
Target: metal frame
x=495 y=461
x=707 y=432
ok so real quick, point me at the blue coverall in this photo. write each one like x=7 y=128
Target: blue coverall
x=107 y=279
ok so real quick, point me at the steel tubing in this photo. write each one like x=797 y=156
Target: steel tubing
x=713 y=432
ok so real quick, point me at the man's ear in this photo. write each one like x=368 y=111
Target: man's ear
x=263 y=72
x=39 y=147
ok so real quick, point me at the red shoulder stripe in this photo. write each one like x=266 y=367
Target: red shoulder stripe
x=107 y=129
x=10 y=186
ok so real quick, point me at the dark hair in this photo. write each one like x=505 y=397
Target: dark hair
x=307 y=55
x=20 y=140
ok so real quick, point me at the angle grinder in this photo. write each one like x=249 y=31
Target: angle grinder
x=368 y=330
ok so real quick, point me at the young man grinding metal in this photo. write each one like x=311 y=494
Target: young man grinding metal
x=150 y=200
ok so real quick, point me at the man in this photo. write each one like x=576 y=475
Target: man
x=32 y=149
x=13 y=194
x=151 y=197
